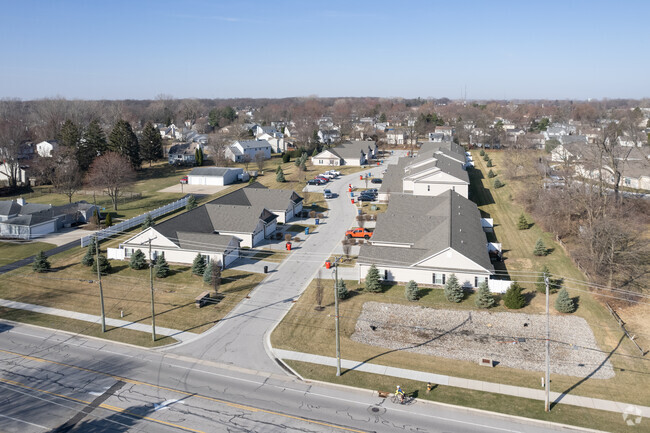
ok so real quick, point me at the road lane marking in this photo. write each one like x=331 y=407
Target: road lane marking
x=25 y=422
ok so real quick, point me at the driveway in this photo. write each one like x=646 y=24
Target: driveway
x=239 y=339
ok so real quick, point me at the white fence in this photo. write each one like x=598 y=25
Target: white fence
x=135 y=221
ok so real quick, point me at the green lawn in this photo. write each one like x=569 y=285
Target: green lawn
x=11 y=251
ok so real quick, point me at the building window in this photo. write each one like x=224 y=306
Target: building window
x=475 y=281
x=443 y=278
x=385 y=274
x=428 y=187
x=438 y=279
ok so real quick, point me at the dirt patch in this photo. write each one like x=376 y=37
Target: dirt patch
x=515 y=340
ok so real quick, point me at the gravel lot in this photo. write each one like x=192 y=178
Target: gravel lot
x=511 y=339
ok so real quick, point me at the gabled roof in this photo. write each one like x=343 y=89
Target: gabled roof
x=30 y=219
x=212 y=171
x=352 y=149
x=9 y=207
x=203 y=241
x=428 y=226
x=258 y=195
x=252 y=144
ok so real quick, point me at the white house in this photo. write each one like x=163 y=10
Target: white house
x=45 y=148
x=236 y=151
x=328 y=136
x=396 y=136
x=355 y=153
x=426 y=239
x=213 y=176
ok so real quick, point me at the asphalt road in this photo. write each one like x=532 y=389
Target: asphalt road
x=54 y=382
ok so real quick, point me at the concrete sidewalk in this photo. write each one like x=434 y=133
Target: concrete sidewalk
x=517 y=391
x=117 y=323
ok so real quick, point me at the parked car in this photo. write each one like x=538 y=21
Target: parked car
x=366 y=197
x=376 y=180
x=184 y=180
x=334 y=173
x=359 y=233
x=370 y=191
x=320 y=180
x=328 y=194
x=313 y=182
x=323 y=179
x=326 y=175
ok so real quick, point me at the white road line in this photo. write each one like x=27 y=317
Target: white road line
x=25 y=422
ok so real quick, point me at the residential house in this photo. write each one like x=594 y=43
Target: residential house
x=447 y=130
x=354 y=153
x=436 y=137
x=396 y=136
x=21 y=172
x=237 y=151
x=328 y=136
x=45 y=148
x=427 y=239
x=214 y=175
x=273 y=136
x=284 y=203
x=171 y=132
x=183 y=153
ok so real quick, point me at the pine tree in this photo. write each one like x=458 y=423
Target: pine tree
x=148 y=222
x=88 y=259
x=69 y=135
x=373 y=284
x=104 y=265
x=198 y=265
x=109 y=220
x=280 y=175
x=286 y=157
x=482 y=152
x=95 y=218
x=341 y=289
x=123 y=140
x=453 y=290
x=540 y=285
x=315 y=152
x=278 y=169
x=486 y=158
x=522 y=224
x=92 y=144
x=513 y=298
x=484 y=298
x=191 y=202
x=411 y=291
x=540 y=248
x=489 y=163
x=497 y=184
x=151 y=145
x=162 y=267
x=207 y=274
x=41 y=264
x=491 y=174
x=138 y=260
x=563 y=303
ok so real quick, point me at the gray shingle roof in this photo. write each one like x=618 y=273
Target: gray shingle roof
x=203 y=241
x=257 y=194
x=352 y=149
x=252 y=144
x=428 y=225
x=9 y=207
x=212 y=171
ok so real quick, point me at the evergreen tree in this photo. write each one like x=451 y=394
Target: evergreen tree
x=88 y=259
x=486 y=158
x=41 y=264
x=138 y=260
x=104 y=265
x=373 y=284
x=123 y=140
x=489 y=163
x=69 y=135
x=148 y=222
x=198 y=265
x=341 y=289
x=540 y=285
x=491 y=174
x=162 y=267
x=315 y=152
x=513 y=298
x=280 y=175
x=484 y=298
x=109 y=220
x=482 y=152
x=92 y=144
x=411 y=291
x=563 y=303
x=278 y=168
x=497 y=184
x=286 y=157
x=191 y=202
x=207 y=273
x=522 y=224
x=151 y=145
x=540 y=248
x=453 y=290
x=383 y=118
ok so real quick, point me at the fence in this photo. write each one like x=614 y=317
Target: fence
x=135 y=221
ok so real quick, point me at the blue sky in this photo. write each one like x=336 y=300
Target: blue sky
x=217 y=49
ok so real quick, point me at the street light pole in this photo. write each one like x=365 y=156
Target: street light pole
x=336 y=313
x=99 y=273
x=153 y=311
x=547 y=402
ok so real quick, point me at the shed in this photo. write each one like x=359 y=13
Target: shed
x=213 y=176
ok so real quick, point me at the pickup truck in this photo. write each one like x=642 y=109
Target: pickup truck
x=359 y=233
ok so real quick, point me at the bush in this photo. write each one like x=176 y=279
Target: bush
x=138 y=260
x=453 y=291
x=104 y=265
x=286 y=157
x=489 y=163
x=373 y=284
x=280 y=175
x=198 y=265
x=482 y=152
x=540 y=248
x=162 y=267
x=341 y=289
x=522 y=224
x=41 y=264
x=411 y=291
x=191 y=202
x=497 y=184
x=491 y=174
x=484 y=298
x=486 y=158
x=514 y=299
x=148 y=222
x=109 y=220
x=563 y=303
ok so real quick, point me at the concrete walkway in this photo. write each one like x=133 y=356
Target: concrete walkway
x=517 y=391
x=117 y=323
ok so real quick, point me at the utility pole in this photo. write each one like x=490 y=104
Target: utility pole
x=99 y=274
x=336 y=309
x=547 y=405
x=153 y=312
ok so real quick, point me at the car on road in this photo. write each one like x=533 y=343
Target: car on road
x=328 y=194
x=376 y=180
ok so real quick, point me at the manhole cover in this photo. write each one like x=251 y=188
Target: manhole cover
x=376 y=410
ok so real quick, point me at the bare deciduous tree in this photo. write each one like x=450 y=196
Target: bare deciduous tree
x=66 y=178
x=260 y=157
x=12 y=135
x=112 y=173
x=319 y=291
x=246 y=159
x=346 y=249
